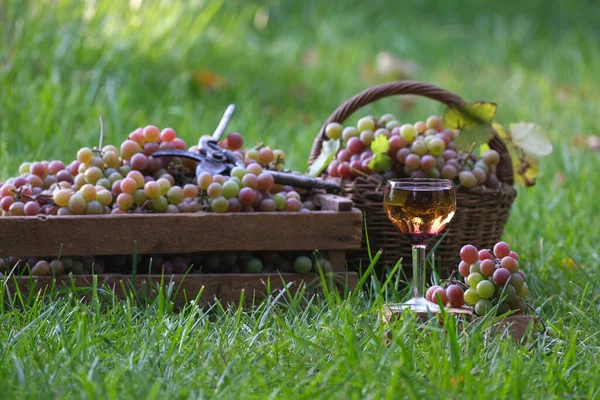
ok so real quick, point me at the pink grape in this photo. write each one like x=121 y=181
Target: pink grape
x=137 y=177
x=190 y=191
x=265 y=156
x=265 y=181
x=254 y=168
x=487 y=267
x=250 y=180
x=412 y=161
x=356 y=166
x=441 y=293
x=501 y=250
x=332 y=169
x=64 y=176
x=215 y=190
x=402 y=154
x=267 y=205
x=293 y=205
x=344 y=170
x=20 y=181
x=36 y=181
x=429 y=293
x=469 y=254
x=510 y=264
x=16 y=209
x=427 y=162
x=31 y=208
x=179 y=144
x=464 y=269
x=167 y=135
x=39 y=169
x=234 y=205
x=449 y=172
x=246 y=196
x=514 y=255
x=129 y=148
x=55 y=166
x=151 y=148
x=139 y=162
x=484 y=254
x=6 y=202
x=124 y=201
x=128 y=185
x=343 y=155
x=151 y=133
x=456 y=296
x=235 y=141
x=501 y=276
x=355 y=146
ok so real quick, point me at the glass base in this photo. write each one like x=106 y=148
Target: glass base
x=418 y=305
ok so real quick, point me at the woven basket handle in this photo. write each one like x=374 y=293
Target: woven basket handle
x=504 y=170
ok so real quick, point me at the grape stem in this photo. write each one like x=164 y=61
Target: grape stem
x=468 y=155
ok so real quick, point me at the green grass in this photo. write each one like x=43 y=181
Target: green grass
x=63 y=63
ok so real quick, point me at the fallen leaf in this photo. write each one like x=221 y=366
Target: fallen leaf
x=209 y=80
x=531 y=138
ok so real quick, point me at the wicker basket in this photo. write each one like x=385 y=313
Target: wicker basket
x=481 y=212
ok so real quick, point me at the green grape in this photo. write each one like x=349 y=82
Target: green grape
x=483 y=306
x=94 y=207
x=115 y=176
x=334 y=130
x=23 y=168
x=88 y=192
x=230 y=189
x=433 y=173
x=253 y=266
x=215 y=190
x=385 y=118
x=392 y=124
x=491 y=157
x=503 y=308
x=349 y=132
x=523 y=291
x=436 y=146
x=467 y=179
x=302 y=265
x=139 y=197
x=471 y=296
x=152 y=189
x=506 y=293
x=77 y=204
x=366 y=124
x=219 y=205
x=516 y=281
x=93 y=174
x=280 y=200
x=366 y=137
x=473 y=279
x=485 y=289
x=419 y=147
x=159 y=204
x=475 y=267
x=105 y=183
x=237 y=172
x=164 y=185
x=175 y=195
x=409 y=133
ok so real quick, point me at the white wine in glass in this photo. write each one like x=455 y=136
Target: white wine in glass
x=420 y=209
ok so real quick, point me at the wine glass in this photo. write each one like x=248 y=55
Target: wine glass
x=420 y=209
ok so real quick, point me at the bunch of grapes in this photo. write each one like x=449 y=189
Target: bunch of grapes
x=494 y=279
x=494 y=282
x=195 y=263
x=131 y=180
x=424 y=149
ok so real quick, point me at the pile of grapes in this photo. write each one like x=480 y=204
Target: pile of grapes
x=108 y=180
x=493 y=279
x=194 y=263
x=385 y=149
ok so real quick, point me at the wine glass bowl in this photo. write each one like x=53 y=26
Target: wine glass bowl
x=419 y=209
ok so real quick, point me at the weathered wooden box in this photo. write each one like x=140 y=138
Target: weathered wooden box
x=327 y=230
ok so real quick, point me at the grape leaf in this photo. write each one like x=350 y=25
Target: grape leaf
x=381 y=144
x=328 y=151
x=531 y=138
x=525 y=166
x=473 y=120
x=381 y=162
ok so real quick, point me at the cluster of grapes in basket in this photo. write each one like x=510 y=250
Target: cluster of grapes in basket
x=301 y=262
x=131 y=180
x=424 y=149
x=494 y=280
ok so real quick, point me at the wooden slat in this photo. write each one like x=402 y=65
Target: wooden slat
x=179 y=233
x=227 y=288
x=332 y=202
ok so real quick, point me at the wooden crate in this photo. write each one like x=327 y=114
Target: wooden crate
x=327 y=230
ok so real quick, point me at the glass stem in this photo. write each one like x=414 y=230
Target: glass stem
x=418 y=258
